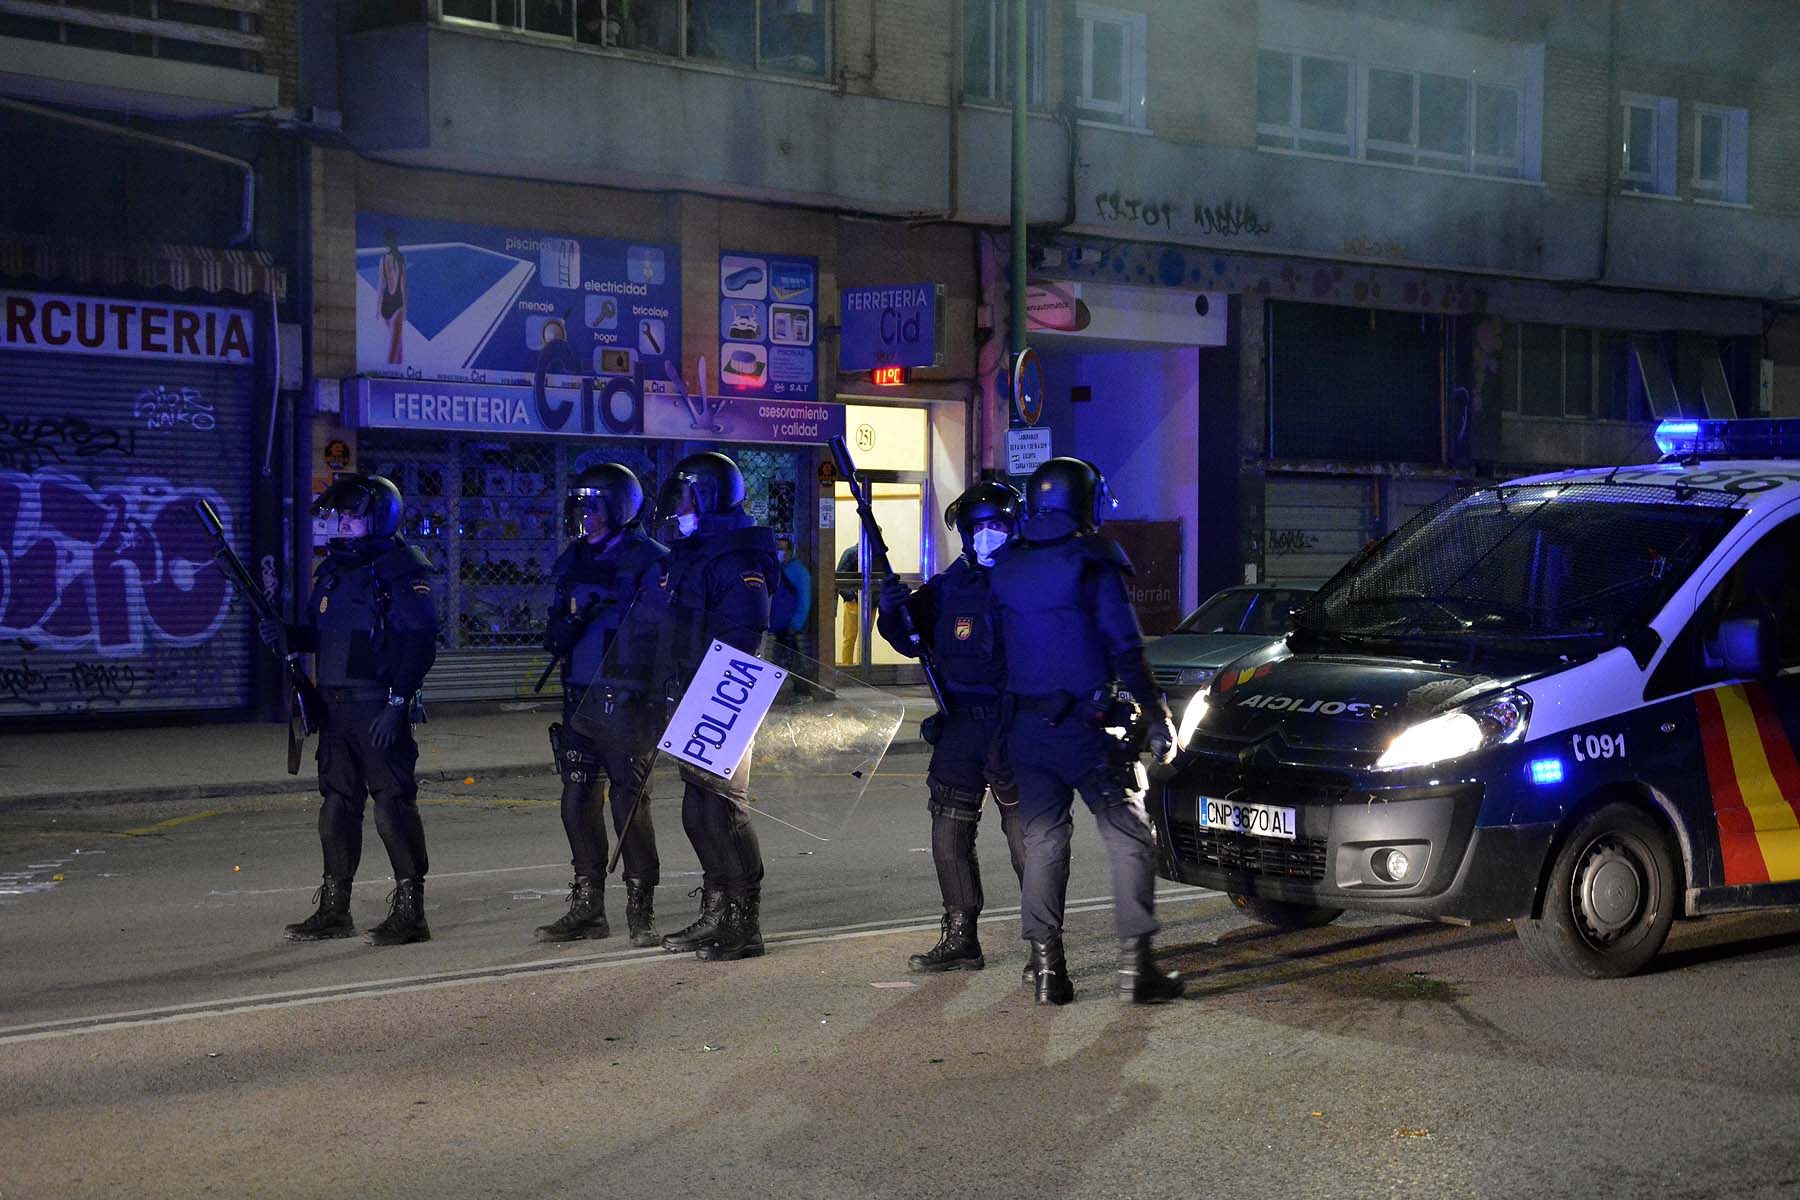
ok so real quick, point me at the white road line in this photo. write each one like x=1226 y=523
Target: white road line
x=305 y=997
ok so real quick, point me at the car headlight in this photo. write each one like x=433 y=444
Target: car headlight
x=1497 y=721
x=1195 y=676
x=1191 y=716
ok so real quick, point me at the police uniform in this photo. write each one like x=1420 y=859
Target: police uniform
x=595 y=586
x=952 y=615
x=373 y=627
x=717 y=588
x=1071 y=639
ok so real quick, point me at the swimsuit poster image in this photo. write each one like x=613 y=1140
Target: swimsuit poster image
x=768 y=316
x=440 y=300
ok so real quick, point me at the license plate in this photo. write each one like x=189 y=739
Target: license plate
x=1257 y=820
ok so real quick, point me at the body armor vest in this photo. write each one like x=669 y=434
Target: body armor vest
x=963 y=644
x=1050 y=639
x=610 y=578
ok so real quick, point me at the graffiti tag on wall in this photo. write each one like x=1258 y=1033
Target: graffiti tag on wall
x=111 y=568
x=1232 y=218
x=28 y=442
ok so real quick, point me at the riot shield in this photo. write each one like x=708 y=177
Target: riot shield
x=792 y=740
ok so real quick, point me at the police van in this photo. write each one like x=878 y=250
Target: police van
x=1570 y=701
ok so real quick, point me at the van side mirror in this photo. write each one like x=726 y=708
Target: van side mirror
x=1743 y=648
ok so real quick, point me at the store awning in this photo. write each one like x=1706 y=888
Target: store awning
x=184 y=268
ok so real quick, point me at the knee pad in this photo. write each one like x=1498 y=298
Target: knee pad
x=575 y=761
x=953 y=801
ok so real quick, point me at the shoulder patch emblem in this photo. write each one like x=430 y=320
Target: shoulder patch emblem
x=965 y=628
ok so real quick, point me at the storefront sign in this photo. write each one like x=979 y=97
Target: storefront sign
x=768 y=319
x=1154 y=548
x=889 y=327
x=719 y=713
x=151 y=329
x=1026 y=450
x=1115 y=312
x=439 y=300
x=613 y=409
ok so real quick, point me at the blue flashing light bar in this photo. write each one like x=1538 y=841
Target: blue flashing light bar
x=1546 y=771
x=1762 y=437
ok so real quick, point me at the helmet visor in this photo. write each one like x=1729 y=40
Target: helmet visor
x=590 y=512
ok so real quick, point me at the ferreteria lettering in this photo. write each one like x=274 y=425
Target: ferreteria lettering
x=124 y=328
x=430 y=408
x=900 y=297
x=723 y=707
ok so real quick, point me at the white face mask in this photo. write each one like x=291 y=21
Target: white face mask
x=687 y=523
x=986 y=541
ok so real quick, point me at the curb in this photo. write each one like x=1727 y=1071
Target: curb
x=304 y=784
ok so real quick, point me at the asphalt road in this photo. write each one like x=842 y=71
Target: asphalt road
x=158 y=1038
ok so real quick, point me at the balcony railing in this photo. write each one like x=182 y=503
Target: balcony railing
x=221 y=33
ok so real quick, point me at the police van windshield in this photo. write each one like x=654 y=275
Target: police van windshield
x=1548 y=567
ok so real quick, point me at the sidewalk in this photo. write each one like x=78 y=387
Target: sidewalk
x=111 y=766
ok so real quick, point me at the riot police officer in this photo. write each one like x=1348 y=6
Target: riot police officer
x=597 y=579
x=1075 y=666
x=373 y=627
x=720 y=568
x=949 y=619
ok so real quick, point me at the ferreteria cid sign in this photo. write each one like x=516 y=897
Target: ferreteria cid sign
x=722 y=709
x=898 y=326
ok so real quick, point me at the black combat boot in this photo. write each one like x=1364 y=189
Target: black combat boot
x=1028 y=976
x=1051 y=972
x=738 y=936
x=640 y=912
x=586 y=917
x=958 y=950
x=712 y=910
x=1140 y=980
x=406 y=916
x=333 y=918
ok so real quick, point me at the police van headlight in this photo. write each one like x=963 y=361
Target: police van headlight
x=1497 y=721
x=1195 y=676
x=1191 y=716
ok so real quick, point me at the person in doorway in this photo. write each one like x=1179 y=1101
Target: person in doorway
x=392 y=280
x=791 y=607
x=373 y=626
x=717 y=589
x=950 y=619
x=849 y=591
x=1075 y=668
x=598 y=578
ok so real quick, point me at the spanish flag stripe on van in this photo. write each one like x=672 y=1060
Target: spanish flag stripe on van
x=1741 y=856
x=1778 y=821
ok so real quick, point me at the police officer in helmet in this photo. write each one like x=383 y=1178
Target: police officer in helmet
x=373 y=627
x=720 y=567
x=950 y=617
x=1075 y=666
x=597 y=579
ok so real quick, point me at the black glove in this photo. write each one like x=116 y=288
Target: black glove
x=563 y=631
x=388 y=728
x=894 y=595
x=1161 y=738
x=273 y=633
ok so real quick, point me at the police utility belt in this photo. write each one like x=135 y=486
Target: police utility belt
x=1056 y=707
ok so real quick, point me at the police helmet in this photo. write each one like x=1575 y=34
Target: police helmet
x=609 y=493
x=370 y=497
x=1072 y=486
x=709 y=479
x=989 y=500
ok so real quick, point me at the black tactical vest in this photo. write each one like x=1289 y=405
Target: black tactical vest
x=1049 y=637
x=963 y=644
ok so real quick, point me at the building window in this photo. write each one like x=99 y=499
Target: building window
x=1303 y=102
x=1563 y=371
x=987 y=52
x=784 y=36
x=1721 y=140
x=1447 y=122
x=1647 y=145
x=1113 y=64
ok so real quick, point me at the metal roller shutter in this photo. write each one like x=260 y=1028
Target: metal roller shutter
x=108 y=600
x=1312 y=525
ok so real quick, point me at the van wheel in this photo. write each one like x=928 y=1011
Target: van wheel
x=1283 y=914
x=1610 y=898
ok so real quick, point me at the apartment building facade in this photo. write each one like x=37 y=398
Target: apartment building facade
x=1296 y=269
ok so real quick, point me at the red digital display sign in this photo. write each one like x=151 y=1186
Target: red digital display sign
x=889 y=376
